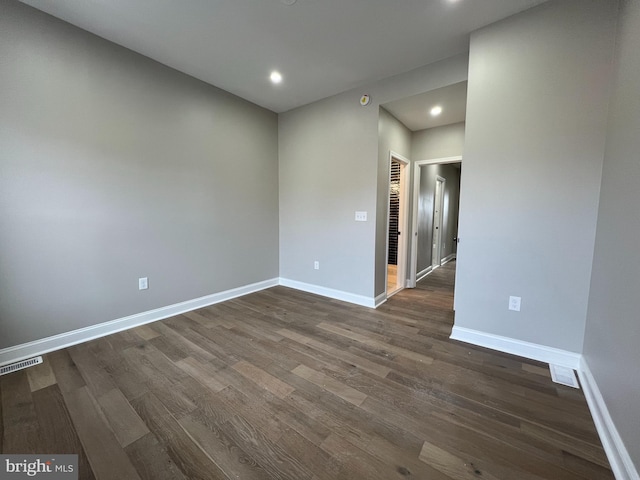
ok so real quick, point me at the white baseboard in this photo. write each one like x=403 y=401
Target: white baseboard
x=618 y=455
x=533 y=351
x=330 y=292
x=423 y=273
x=448 y=258
x=380 y=299
x=63 y=340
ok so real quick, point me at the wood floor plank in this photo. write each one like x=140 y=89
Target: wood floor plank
x=203 y=374
x=346 y=356
x=359 y=337
x=183 y=343
x=567 y=443
x=20 y=422
x=105 y=454
x=67 y=374
x=127 y=426
x=56 y=433
x=356 y=463
x=229 y=457
x=277 y=461
x=186 y=454
x=451 y=465
x=343 y=391
x=146 y=332
x=151 y=460
x=256 y=409
x=95 y=376
x=41 y=376
x=264 y=379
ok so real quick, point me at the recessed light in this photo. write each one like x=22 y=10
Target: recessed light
x=276 y=77
x=435 y=111
x=288 y=2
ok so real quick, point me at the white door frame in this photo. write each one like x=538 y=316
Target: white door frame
x=405 y=172
x=438 y=247
x=414 y=220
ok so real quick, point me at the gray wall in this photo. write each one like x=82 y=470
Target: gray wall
x=613 y=330
x=439 y=142
x=114 y=167
x=429 y=144
x=535 y=131
x=428 y=174
x=394 y=136
x=329 y=168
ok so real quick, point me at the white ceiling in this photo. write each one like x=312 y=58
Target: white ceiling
x=414 y=111
x=321 y=47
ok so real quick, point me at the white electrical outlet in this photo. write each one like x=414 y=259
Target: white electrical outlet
x=316 y=265
x=361 y=216
x=143 y=283
x=514 y=303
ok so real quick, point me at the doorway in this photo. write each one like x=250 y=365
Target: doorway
x=436 y=194
x=438 y=205
x=397 y=223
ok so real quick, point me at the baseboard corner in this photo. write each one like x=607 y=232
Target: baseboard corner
x=341 y=295
x=91 y=332
x=380 y=299
x=621 y=463
x=533 y=351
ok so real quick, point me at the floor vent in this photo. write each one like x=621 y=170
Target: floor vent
x=14 y=367
x=564 y=376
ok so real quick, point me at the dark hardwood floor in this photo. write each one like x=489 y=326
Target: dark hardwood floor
x=284 y=384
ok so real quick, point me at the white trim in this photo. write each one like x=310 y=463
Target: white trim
x=443 y=187
x=405 y=180
x=67 y=339
x=621 y=463
x=618 y=455
x=541 y=353
x=441 y=161
x=330 y=292
x=413 y=274
x=424 y=273
x=380 y=299
x=448 y=258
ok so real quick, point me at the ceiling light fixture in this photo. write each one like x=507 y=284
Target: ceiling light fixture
x=275 y=77
x=435 y=111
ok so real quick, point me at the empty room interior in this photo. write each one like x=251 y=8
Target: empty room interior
x=303 y=239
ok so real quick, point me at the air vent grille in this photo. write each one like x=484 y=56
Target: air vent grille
x=14 y=367
x=564 y=376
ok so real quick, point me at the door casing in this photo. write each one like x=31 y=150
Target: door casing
x=414 y=217
x=403 y=221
